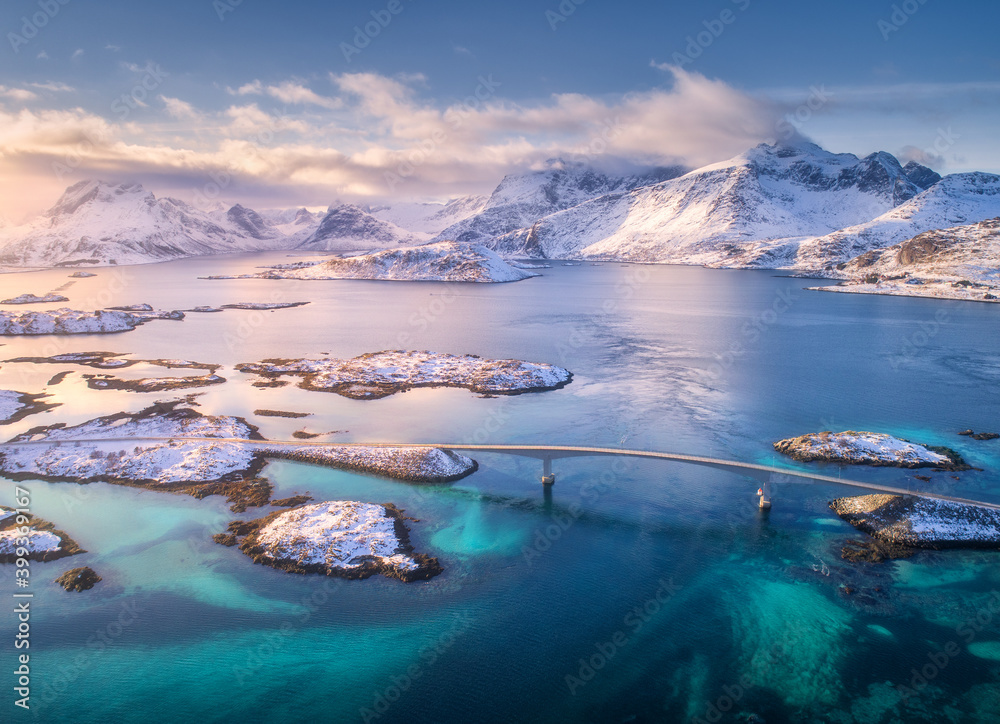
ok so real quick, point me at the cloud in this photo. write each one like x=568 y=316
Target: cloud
x=179 y=109
x=384 y=141
x=77 y=54
x=42 y=56
x=17 y=94
x=53 y=86
x=293 y=93
x=254 y=88
x=113 y=48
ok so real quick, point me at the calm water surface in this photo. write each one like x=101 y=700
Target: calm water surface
x=639 y=591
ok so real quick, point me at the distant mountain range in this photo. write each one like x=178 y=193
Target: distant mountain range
x=775 y=206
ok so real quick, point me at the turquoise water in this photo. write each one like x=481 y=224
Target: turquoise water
x=638 y=590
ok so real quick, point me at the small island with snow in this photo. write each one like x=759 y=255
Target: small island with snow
x=35 y=299
x=41 y=539
x=380 y=374
x=869 y=448
x=72 y=321
x=443 y=261
x=918 y=522
x=345 y=539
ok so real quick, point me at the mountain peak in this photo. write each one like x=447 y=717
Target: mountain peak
x=89 y=190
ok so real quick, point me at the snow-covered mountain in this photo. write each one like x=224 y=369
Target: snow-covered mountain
x=770 y=192
x=297 y=224
x=522 y=199
x=99 y=223
x=429 y=218
x=349 y=227
x=957 y=199
x=969 y=251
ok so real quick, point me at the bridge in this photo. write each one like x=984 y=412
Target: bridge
x=764 y=474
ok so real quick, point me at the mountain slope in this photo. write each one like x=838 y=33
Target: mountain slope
x=957 y=199
x=297 y=224
x=522 y=199
x=429 y=218
x=970 y=251
x=349 y=227
x=705 y=216
x=99 y=223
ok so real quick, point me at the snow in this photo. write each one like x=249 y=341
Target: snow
x=166 y=462
x=445 y=261
x=956 y=200
x=68 y=321
x=415 y=464
x=349 y=227
x=380 y=373
x=860 y=448
x=119 y=448
x=944 y=519
x=10 y=403
x=35 y=299
x=962 y=262
x=921 y=522
x=521 y=199
x=39 y=541
x=430 y=218
x=101 y=224
x=338 y=535
x=932 y=289
x=714 y=215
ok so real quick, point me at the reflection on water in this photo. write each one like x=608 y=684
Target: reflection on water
x=539 y=580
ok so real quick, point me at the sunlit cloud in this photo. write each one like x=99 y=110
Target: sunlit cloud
x=376 y=138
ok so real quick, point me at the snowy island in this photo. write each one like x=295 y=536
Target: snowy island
x=223 y=455
x=380 y=374
x=113 y=361
x=151 y=384
x=34 y=299
x=917 y=522
x=443 y=261
x=43 y=541
x=71 y=321
x=340 y=538
x=869 y=448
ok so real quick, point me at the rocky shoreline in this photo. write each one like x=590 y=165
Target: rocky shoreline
x=343 y=539
x=912 y=521
x=869 y=448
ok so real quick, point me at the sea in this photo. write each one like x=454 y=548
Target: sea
x=632 y=590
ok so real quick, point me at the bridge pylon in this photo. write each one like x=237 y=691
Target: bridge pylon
x=548 y=477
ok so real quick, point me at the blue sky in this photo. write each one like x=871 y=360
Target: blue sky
x=261 y=96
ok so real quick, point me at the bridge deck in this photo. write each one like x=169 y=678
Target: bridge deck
x=544 y=452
